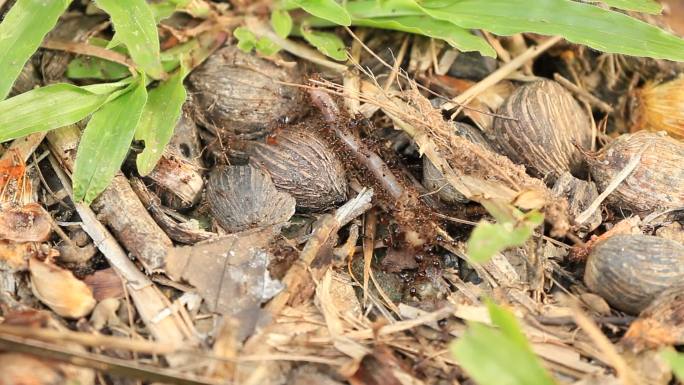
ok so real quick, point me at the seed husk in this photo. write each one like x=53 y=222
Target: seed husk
x=244 y=197
x=660 y=107
x=303 y=165
x=241 y=94
x=544 y=125
x=657 y=182
x=629 y=271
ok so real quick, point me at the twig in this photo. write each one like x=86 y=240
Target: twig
x=624 y=372
x=501 y=73
x=148 y=300
x=116 y=366
x=89 y=50
x=368 y=240
x=591 y=99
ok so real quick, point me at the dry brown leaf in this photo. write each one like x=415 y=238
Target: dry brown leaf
x=230 y=273
x=14 y=256
x=58 y=289
x=23 y=369
x=105 y=284
x=27 y=223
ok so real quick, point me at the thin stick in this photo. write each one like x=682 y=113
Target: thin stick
x=624 y=372
x=501 y=73
x=368 y=241
x=622 y=175
x=88 y=50
x=583 y=94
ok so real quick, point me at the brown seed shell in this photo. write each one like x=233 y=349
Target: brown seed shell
x=660 y=324
x=434 y=181
x=629 y=271
x=241 y=94
x=303 y=165
x=656 y=183
x=244 y=197
x=549 y=124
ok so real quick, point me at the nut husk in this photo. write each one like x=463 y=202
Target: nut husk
x=549 y=125
x=659 y=107
x=434 y=181
x=244 y=197
x=656 y=183
x=303 y=165
x=629 y=271
x=240 y=93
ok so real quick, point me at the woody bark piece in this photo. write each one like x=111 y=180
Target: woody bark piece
x=148 y=300
x=118 y=207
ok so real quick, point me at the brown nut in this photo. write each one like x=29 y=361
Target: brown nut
x=434 y=181
x=303 y=165
x=545 y=125
x=244 y=197
x=629 y=271
x=656 y=183
x=241 y=93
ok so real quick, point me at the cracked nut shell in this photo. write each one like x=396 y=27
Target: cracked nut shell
x=657 y=182
x=240 y=93
x=548 y=124
x=304 y=166
x=244 y=197
x=630 y=271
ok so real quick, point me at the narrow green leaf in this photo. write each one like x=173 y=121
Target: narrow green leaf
x=326 y=9
x=488 y=239
x=676 y=361
x=499 y=356
x=328 y=43
x=281 y=22
x=135 y=26
x=84 y=67
x=266 y=47
x=456 y=36
x=158 y=120
x=47 y=108
x=648 y=6
x=106 y=140
x=21 y=32
x=246 y=39
x=601 y=29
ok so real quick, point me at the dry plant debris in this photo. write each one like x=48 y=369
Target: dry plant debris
x=309 y=220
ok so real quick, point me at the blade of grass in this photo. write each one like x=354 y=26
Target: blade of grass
x=601 y=29
x=158 y=120
x=106 y=140
x=136 y=28
x=21 y=33
x=647 y=6
x=50 y=107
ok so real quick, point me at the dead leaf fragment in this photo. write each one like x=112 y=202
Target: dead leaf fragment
x=27 y=223
x=14 y=256
x=23 y=369
x=230 y=273
x=58 y=289
x=660 y=324
x=105 y=284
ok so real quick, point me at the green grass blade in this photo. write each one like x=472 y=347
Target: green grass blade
x=326 y=9
x=499 y=356
x=327 y=43
x=602 y=29
x=135 y=26
x=456 y=36
x=676 y=362
x=647 y=6
x=47 y=108
x=105 y=142
x=21 y=32
x=158 y=120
